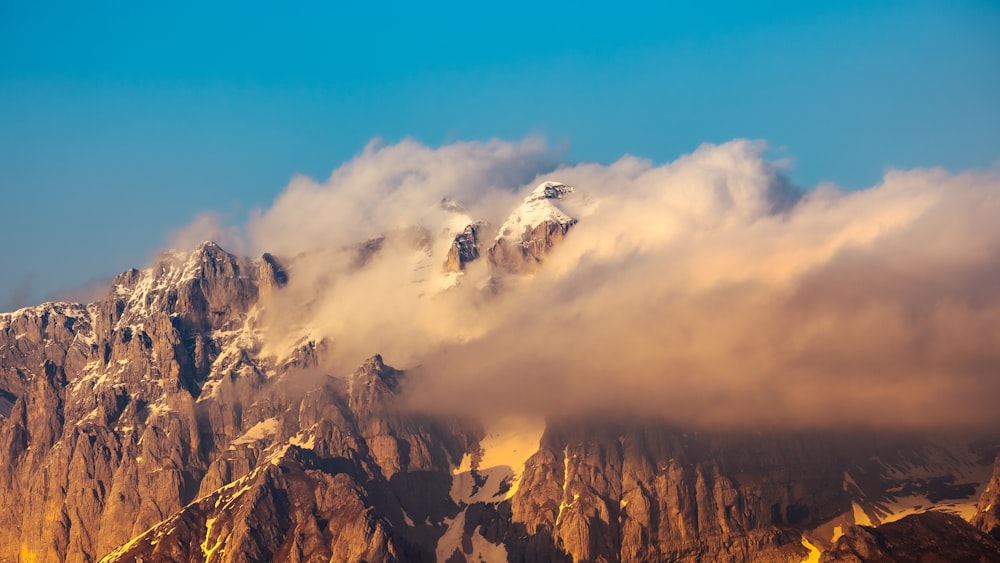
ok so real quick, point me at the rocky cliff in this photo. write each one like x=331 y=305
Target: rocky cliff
x=987 y=517
x=464 y=249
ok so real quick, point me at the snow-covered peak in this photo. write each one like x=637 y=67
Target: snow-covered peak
x=208 y=267
x=550 y=190
x=174 y=266
x=538 y=208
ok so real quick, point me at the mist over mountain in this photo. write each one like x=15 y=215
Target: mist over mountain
x=709 y=288
x=479 y=352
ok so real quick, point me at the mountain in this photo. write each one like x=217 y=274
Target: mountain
x=531 y=230
x=167 y=422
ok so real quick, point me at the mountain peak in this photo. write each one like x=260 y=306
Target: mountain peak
x=550 y=190
x=536 y=209
x=532 y=229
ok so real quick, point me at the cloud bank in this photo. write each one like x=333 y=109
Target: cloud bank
x=707 y=290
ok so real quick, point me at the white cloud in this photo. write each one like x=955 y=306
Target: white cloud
x=706 y=290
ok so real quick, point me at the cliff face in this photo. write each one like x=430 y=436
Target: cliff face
x=464 y=249
x=651 y=492
x=105 y=437
x=987 y=517
x=342 y=476
x=524 y=255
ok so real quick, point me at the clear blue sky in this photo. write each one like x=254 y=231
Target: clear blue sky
x=120 y=121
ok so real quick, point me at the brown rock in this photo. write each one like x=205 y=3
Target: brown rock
x=987 y=517
x=525 y=255
x=464 y=249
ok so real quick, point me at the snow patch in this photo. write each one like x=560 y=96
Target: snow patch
x=505 y=449
x=451 y=540
x=860 y=517
x=482 y=549
x=257 y=432
x=205 y=549
x=953 y=463
x=306 y=439
x=563 y=505
x=814 y=551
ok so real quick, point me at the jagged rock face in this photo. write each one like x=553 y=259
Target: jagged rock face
x=106 y=434
x=929 y=536
x=530 y=233
x=525 y=256
x=648 y=492
x=342 y=488
x=464 y=249
x=273 y=276
x=987 y=517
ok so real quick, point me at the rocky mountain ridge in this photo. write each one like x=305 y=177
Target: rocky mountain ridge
x=152 y=425
x=927 y=536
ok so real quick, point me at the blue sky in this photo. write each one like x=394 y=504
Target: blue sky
x=121 y=121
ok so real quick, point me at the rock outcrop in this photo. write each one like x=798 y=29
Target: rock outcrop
x=928 y=536
x=464 y=249
x=987 y=517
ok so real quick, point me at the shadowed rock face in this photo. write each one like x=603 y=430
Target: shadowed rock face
x=149 y=425
x=926 y=537
x=987 y=517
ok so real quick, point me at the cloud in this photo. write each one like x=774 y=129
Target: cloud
x=708 y=298
x=707 y=290
x=394 y=186
x=20 y=296
x=394 y=304
x=208 y=226
x=90 y=291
